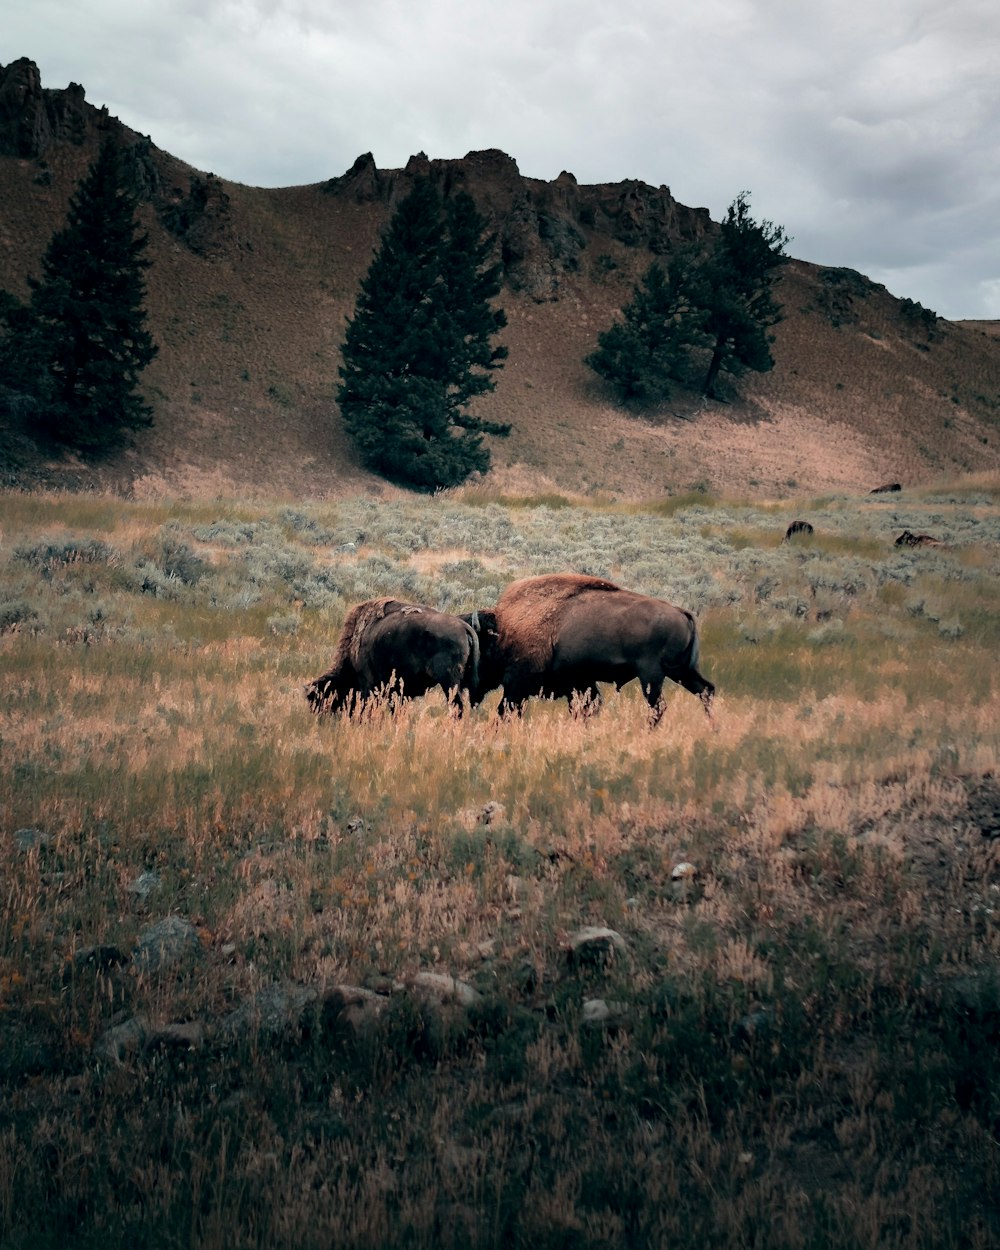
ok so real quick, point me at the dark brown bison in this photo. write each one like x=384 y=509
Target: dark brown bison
x=797 y=527
x=886 y=488
x=562 y=633
x=389 y=647
x=908 y=539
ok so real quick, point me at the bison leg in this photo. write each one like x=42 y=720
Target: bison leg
x=705 y=690
x=518 y=687
x=456 y=701
x=653 y=690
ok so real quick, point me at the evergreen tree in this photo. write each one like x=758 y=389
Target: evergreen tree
x=78 y=347
x=735 y=293
x=716 y=295
x=648 y=348
x=418 y=349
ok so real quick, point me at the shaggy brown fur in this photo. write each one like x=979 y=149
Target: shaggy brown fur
x=528 y=612
x=357 y=621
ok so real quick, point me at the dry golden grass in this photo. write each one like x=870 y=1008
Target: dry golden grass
x=801 y=1045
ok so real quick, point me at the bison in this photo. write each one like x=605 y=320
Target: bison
x=908 y=539
x=391 y=647
x=797 y=527
x=562 y=633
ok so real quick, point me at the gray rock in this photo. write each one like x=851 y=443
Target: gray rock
x=596 y=945
x=275 y=1009
x=123 y=1040
x=440 y=988
x=93 y=959
x=31 y=839
x=169 y=943
x=186 y=1035
x=353 y=1007
x=685 y=883
x=597 y=1012
x=754 y=1025
x=145 y=884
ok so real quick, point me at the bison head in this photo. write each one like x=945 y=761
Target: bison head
x=327 y=694
x=491 y=659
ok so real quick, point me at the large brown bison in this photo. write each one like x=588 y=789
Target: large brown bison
x=562 y=633
x=390 y=647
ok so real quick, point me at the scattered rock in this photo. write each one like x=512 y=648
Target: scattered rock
x=597 y=1012
x=187 y=1035
x=355 y=825
x=275 y=1009
x=169 y=943
x=491 y=813
x=28 y=840
x=123 y=1040
x=440 y=987
x=754 y=1025
x=145 y=884
x=686 y=883
x=352 y=1006
x=93 y=959
x=595 y=945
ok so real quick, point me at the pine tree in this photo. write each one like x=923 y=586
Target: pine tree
x=418 y=349
x=736 y=293
x=715 y=295
x=78 y=347
x=647 y=349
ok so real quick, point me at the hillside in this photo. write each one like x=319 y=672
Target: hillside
x=250 y=287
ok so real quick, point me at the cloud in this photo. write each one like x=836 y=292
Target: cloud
x=869 y=131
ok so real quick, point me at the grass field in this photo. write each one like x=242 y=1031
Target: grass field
x=268 y=981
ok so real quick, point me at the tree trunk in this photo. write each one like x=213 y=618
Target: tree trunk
x=708 y=390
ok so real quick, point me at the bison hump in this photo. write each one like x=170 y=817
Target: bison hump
x=556 y=587
x=529 y=612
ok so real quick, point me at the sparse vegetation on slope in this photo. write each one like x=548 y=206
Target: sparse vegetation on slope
x=251 y=288
x=266 y=981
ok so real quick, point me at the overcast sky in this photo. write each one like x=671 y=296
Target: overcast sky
x=869 y=129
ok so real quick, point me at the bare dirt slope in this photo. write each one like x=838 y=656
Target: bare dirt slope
x=250 y=288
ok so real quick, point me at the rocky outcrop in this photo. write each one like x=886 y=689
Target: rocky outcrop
x=200 y=217
x=33 y=118
x=542 y=228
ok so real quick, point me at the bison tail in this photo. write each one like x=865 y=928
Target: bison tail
x=694 y=647
x=472 y=666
